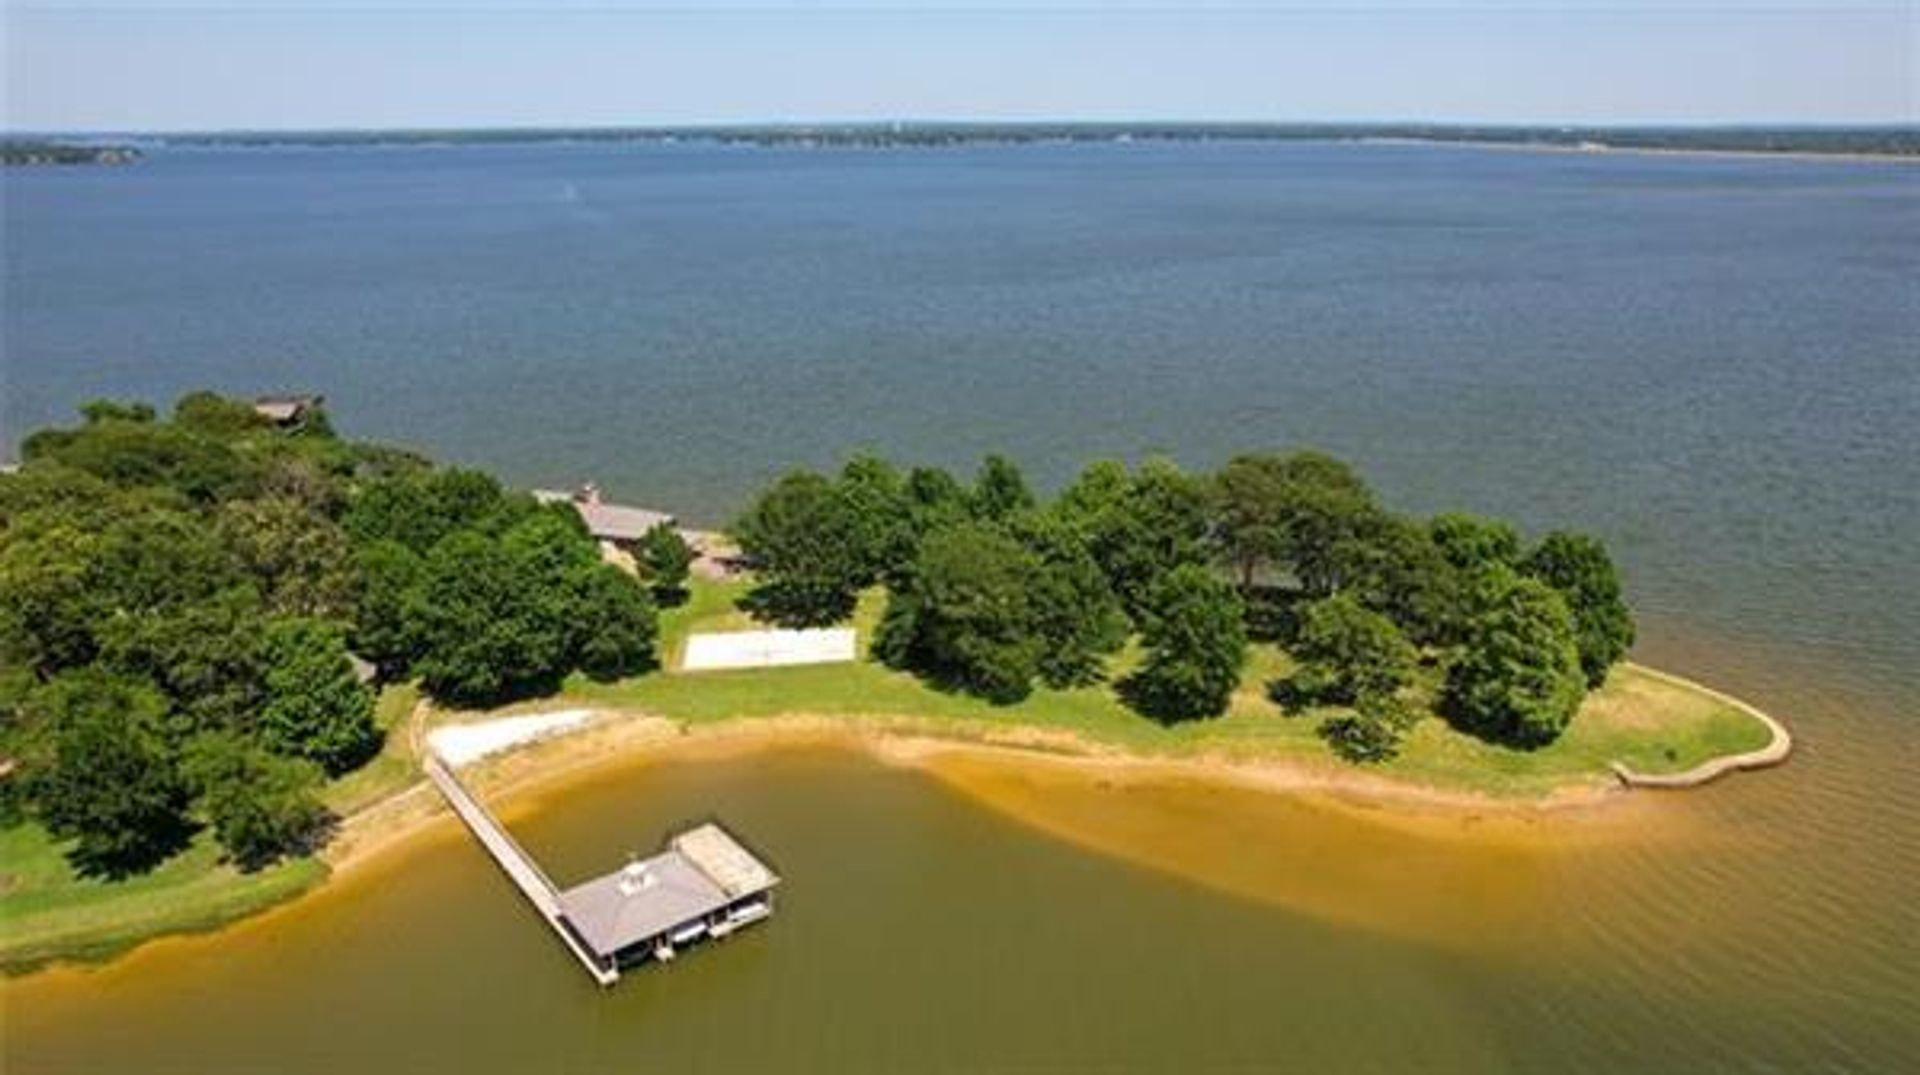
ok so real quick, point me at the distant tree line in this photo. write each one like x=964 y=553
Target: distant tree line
x=992 y=591
x=186 y=599
x=19 y=151
x=1890 y=139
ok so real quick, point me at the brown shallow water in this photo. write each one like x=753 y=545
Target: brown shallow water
x=973 y=913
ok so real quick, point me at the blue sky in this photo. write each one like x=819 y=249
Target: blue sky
x=179 y=64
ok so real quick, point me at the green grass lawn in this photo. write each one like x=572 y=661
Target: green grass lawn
x=393 y=768
x=48 y=912
x=1653 y=725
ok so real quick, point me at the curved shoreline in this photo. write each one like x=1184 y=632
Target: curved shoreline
x=520 y=779
x=1774 y=753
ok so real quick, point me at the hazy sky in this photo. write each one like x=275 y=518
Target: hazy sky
x=181 y=64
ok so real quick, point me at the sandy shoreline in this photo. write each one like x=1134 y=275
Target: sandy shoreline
x=521 y=763
x=519 y=780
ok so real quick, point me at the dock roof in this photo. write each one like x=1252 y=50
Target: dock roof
x=702 y=871
x=717 y=854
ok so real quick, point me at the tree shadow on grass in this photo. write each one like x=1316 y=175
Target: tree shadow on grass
x=797 y=607
x=1163 y=707
x=130 y=857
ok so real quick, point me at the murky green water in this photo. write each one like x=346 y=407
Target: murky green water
x=919 y=931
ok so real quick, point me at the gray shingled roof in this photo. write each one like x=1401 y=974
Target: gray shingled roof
x=643 y=900
x=703 y=870
x=611 y=522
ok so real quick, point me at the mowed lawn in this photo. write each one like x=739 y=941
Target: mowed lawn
x=47 y=911
x=1647 y=722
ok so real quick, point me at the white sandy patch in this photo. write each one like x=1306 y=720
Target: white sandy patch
x=460 y=744
x=768 y=649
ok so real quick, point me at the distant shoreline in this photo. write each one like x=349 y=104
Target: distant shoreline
x=1865 y=142
x=1607 y=150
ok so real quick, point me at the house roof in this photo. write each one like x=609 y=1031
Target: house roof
x=285 y=408
x=612 y=522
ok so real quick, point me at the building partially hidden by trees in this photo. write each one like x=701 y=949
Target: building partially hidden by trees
x=995 y=592
x=193 y=603
x=188 y=599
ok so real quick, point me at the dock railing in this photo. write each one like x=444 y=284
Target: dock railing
x=518 y=865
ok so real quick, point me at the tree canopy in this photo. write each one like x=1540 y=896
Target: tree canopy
x=111 y=781
x=805 y=541
x=666 y=559
x=182 y=591
x=1347 y=652
x=314 y=707
x=1579 y=568
x=965 y=616
x=1517 y=679
x=1196 y=645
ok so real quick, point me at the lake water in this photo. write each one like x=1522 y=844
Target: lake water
x=1711 y=362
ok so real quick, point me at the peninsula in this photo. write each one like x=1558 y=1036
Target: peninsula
x=233 y=634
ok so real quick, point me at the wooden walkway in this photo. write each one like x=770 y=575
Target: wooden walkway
x=519 y=866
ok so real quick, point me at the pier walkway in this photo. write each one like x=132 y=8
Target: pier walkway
x=519 y=866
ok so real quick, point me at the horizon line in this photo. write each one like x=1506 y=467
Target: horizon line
x=903 y=123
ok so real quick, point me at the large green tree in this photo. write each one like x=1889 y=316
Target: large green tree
x=614 y=625
x=313 y=706
x=1474 y=543
x=1517 y=678
x=1196 y=645
x=1000 y=490
x=299 y=559
x=262 y=806
x=1076 y=619
x=1251 y=525
x=206 y=657
x=419 y=509
x=1395 y=568
x=498 y=617
x=387 y=606
x=1347 y=651
x=876 y=496
x=965 y=618
x=1139 y=531
x=1296 y=512
x=55 y=601
x=112 y=782
x=805 y=542
x=481 y=640
x=1580 y=569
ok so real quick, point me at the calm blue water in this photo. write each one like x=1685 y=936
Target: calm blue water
x=1712 y=362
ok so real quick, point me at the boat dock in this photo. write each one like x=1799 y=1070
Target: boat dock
x=705 y=884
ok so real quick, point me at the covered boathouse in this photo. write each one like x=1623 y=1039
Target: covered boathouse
x=705 y=884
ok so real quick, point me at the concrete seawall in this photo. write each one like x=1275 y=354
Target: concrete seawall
x=1774 y=753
